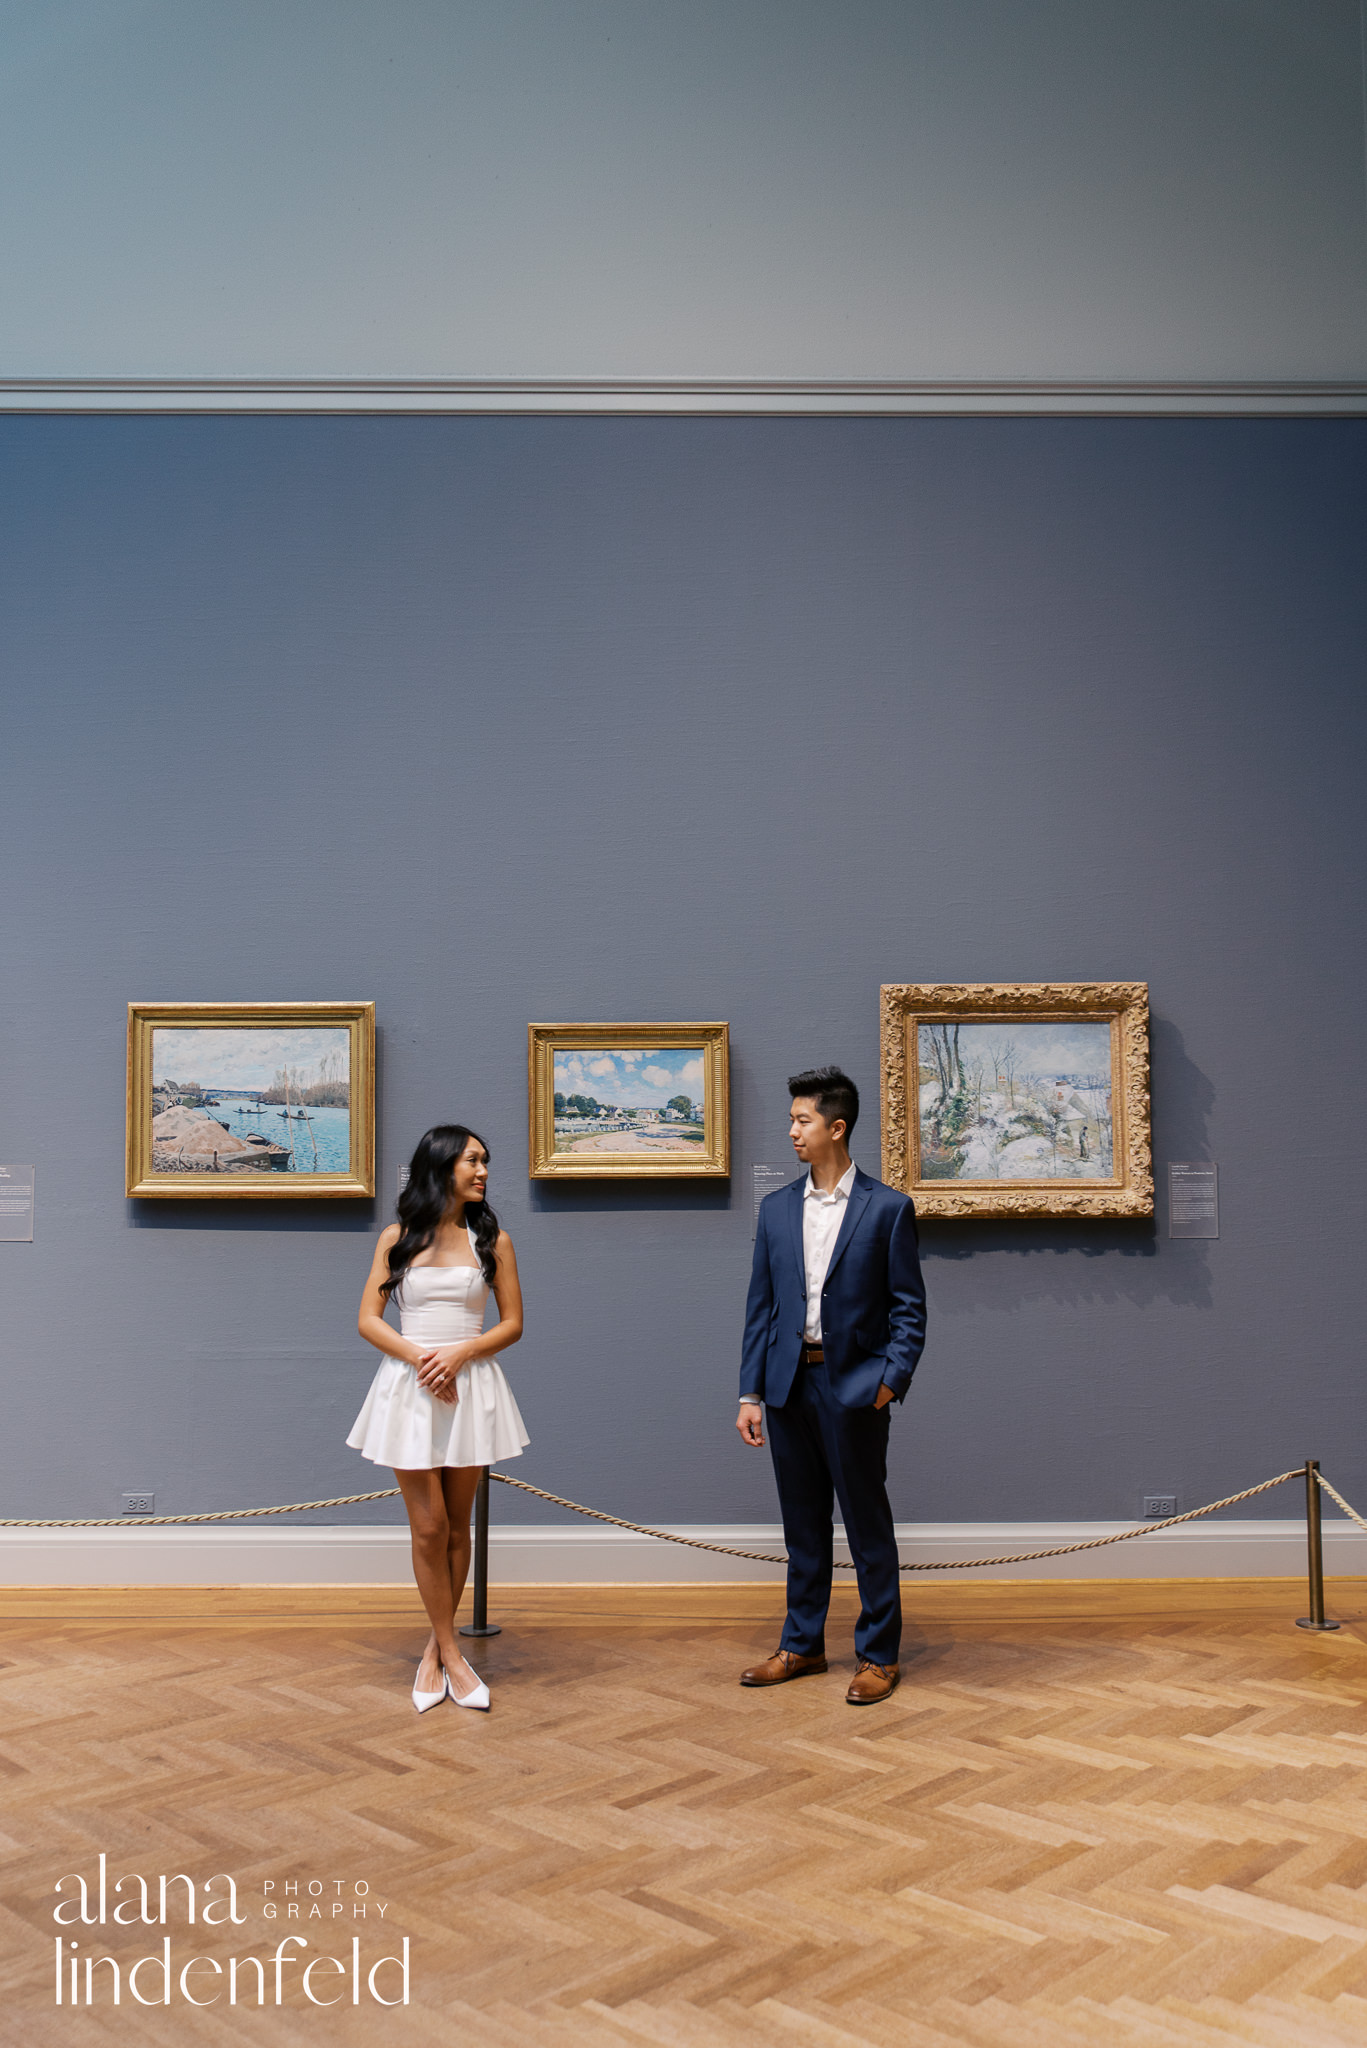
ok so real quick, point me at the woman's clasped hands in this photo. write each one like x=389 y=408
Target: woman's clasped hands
x=437 y=1369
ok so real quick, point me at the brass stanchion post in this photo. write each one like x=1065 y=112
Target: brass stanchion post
x=479 y=1624
x=1315 y=1546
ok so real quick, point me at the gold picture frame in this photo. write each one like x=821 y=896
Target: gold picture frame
x=204 y=1121
x=1018 y=1098
x=628 y=1101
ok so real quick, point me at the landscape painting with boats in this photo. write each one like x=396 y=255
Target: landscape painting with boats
x=251 y=1099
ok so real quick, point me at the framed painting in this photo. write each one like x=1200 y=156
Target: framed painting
x=637 y=1101
x=259 y=1099
x=1018 y=1099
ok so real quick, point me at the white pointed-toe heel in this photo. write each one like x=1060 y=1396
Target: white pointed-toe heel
x=478 y=1699
x=425 y=1701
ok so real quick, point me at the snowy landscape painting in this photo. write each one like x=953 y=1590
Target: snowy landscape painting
x=1013 y=1099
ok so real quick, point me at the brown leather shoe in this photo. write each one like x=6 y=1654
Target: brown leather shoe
x=871 y=1682
x=783 y=1665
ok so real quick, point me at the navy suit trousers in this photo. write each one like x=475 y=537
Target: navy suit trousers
x=824 y=1453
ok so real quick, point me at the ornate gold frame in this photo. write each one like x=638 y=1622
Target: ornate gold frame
x=543 y=1042
x=1122 y=1004
x=144 y=1018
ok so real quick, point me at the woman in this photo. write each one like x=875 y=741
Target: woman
x=439 y=1408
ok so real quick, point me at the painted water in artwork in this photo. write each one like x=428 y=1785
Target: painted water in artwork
x=647 y=1101
x=1015 y=1100
x=251 y=1099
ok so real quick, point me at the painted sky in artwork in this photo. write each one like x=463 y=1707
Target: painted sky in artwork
x=245 y=1056
x=631 y=1080
x=1044 y=1048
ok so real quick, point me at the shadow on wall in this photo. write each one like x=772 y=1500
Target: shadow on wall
x=358 y=1214
x=1104 y=1261
x=577 y=1198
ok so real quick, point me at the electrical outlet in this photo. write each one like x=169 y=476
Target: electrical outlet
x=139 y=1503
x=1158 y=1506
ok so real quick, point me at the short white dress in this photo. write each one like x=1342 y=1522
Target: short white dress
x=400 y=1423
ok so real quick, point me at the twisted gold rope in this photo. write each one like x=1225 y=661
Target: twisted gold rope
x=959 y=1564
x=1341 y=1501
x=297 y=1507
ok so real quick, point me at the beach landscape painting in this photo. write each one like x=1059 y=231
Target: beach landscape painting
x=1018 y=1098
x=628 y=1099
x=265 y=1104
x=608 y=1101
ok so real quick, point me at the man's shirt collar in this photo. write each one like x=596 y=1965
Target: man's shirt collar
x=839 y=1193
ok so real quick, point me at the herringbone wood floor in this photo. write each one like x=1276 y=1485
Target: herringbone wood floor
x=1124 y=1815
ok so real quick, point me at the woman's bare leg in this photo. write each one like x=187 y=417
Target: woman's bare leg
x=429 y=1525
x=459 y=1486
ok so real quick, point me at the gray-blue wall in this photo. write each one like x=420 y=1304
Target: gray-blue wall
x=772 y=189
x=509 y=719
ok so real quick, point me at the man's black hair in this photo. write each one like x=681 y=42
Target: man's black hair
x=834 y=1093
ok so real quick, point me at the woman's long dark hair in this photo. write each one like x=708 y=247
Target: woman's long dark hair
x=423 y=1204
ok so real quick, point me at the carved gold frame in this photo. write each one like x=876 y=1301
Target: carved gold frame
x=713 y=1162
x=1122 y=1004
x=359 y=1179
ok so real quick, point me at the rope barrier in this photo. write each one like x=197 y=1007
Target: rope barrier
x=297 y=1507
x=956 y=1564
x=1333 y=1490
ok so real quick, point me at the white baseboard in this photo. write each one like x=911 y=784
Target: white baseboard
x=528 y=1556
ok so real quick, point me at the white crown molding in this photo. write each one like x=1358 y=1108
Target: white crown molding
x=885 y=397
x=559 y=1555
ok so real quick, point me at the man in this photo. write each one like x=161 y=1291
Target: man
x=834 y=1325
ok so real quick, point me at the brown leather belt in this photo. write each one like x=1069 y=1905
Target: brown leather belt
x=813 y=1354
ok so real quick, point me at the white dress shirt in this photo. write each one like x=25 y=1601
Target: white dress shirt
x=823 y=1212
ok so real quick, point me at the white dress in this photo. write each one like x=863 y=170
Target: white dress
x=400 y=1423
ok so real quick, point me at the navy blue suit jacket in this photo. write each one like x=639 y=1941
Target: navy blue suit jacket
x=873 y=1303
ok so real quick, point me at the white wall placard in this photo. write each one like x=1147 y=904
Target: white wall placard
x=1193 y=1198
x=16 y=1204
x=767 y=1178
